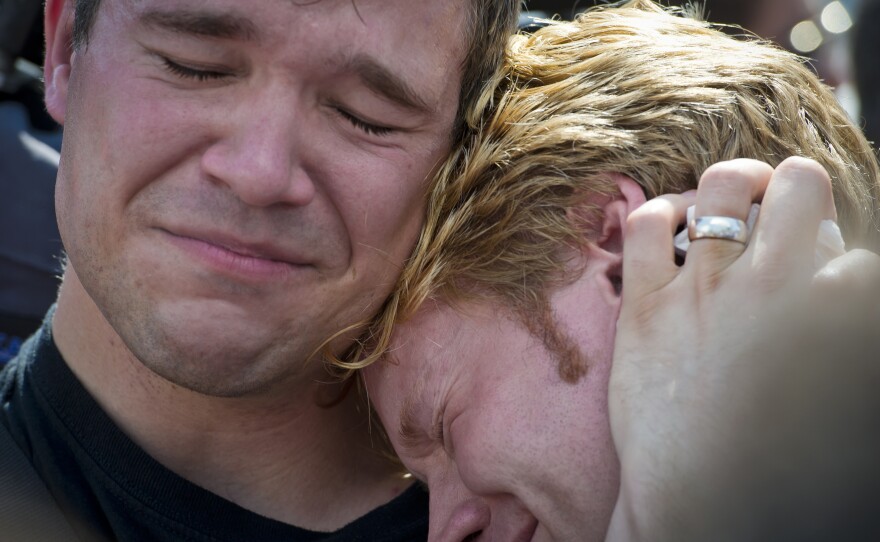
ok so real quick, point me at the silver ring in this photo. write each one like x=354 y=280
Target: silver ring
x=718 y=227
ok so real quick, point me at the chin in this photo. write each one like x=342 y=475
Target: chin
x=224 y=367
x=215 y=377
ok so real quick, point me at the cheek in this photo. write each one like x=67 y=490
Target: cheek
x=578 y=448
x=493 y=447
x=380 y=198
x=110 y=114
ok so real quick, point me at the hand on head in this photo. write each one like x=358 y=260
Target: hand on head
x=708 y=365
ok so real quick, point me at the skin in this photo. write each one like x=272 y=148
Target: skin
x=231 y=194
x=706 y=411
x=520 y=454
x=474 y=405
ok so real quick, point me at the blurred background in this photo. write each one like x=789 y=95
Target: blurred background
x=30 y=246
x=842 y=37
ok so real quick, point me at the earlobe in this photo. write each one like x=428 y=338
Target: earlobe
x=59 y=56
x=56 y=92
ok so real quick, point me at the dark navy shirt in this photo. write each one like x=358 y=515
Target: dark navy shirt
x=110 y=489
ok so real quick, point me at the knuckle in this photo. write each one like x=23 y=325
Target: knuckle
x=642 y=311
x=637 y=267
x=648 y=218
x=733 y=175
x=808 y=173
x=771 y=275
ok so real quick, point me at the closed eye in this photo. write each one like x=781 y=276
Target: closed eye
x=187 y=72
x=372 y=129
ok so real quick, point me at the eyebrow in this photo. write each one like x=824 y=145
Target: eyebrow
x=201 y=23
x=384 y=82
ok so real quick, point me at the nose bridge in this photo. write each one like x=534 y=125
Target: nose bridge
x=259 y=153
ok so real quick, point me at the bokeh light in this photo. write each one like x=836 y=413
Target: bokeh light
x=835 y=18
x=806 y=37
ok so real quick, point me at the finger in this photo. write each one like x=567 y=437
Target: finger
x=648 y=254
x=797 y=199
x=846 y=293
x=854 y=275
x=727 y=189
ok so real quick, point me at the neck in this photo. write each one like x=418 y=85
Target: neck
x=250 y=450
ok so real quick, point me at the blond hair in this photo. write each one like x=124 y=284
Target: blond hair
x=632 y=89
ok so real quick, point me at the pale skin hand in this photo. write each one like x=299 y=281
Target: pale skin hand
x=689 y=360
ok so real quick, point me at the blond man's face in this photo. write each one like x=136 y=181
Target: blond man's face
x=475 y=407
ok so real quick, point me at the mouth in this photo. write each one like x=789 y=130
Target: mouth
x=253 y=261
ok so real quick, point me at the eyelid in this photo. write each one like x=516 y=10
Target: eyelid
x=365 y=126
x=187 y=71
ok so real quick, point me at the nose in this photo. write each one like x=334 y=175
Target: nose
x=458 y=522
x=455 y=514
x=259 y=151
x=458 y=515
x=481 y=520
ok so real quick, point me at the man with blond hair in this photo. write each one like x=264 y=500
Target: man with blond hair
x=238 y=181
x=496 y=390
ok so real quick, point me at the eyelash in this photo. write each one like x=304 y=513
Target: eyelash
x=191 y=73
x=207 y=75
x=371 y=129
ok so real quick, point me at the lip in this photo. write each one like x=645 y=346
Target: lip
x=230 y=255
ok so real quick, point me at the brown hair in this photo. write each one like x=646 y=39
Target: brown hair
x=632 y=89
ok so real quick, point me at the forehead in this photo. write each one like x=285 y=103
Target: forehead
x=570 y=343
x=442 y=347
x=419 y=353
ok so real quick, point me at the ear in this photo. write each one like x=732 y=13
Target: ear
x=59 y=56
x=603 y=217
x=630 y=196
x=604 y=252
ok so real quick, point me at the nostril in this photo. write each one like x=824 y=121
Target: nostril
x=472 y=537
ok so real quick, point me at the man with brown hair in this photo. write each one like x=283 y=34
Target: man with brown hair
x=238 y=181
x=496 y=393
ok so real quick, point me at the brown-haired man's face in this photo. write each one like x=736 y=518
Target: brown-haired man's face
x=475 y=407
x=240 y=180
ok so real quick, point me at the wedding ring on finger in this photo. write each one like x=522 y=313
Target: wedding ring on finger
x=718 y=227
